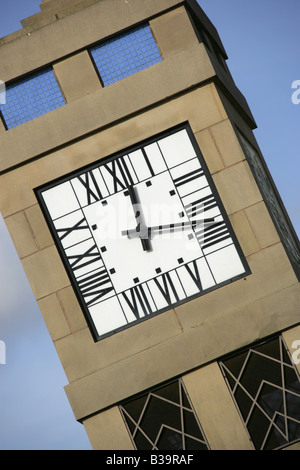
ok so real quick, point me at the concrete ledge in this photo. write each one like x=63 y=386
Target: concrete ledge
x=105 y=106
x=130 y=376
x=213 y=338
x=201 y=108
x=80 y=356
x=61 y=38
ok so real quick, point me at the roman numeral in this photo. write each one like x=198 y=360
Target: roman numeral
x=148 y=162
x=195 y=276
x=193 y=271
x=94 y=286
x=119 y=174
x=81 y=225
x=93 y=192
x=188 y=177
x=213 y=234
x=78 y=261
x=166 y=288
x=138 y=301
x=201 y=205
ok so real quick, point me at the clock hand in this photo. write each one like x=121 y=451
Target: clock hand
x=141 y=229
x=134 y=233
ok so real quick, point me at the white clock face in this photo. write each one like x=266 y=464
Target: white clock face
x=142 y=232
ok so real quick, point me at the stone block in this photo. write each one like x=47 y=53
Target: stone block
x=107 y=431
x=37 y=21
x=216 y=410
x=262 y=225
x=244 y=233
x=72 y=309
x=45 y=272
x=209 y=151
x=39 y=226
x=76 y=76
x=21 y=234
x=173 y=32
x=237 y=187
x=54 y=317
x=227 y=143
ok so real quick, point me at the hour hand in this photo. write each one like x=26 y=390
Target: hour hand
x=141 y=230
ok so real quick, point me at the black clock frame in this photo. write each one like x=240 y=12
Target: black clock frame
x=39 y=190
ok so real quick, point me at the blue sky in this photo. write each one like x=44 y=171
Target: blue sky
x=262 y=41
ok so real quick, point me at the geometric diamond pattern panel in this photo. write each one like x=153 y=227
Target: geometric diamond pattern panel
x=30 y=97
x=125 y=54
x=266 y=389
x=163 y=419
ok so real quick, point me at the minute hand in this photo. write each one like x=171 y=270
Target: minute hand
x=133 y=233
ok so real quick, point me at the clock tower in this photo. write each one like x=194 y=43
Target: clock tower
x=156 y=244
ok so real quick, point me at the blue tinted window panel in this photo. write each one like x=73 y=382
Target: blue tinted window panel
x=31 y=97
x=126 y=55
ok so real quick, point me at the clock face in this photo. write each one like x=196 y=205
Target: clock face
x=142 y=231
